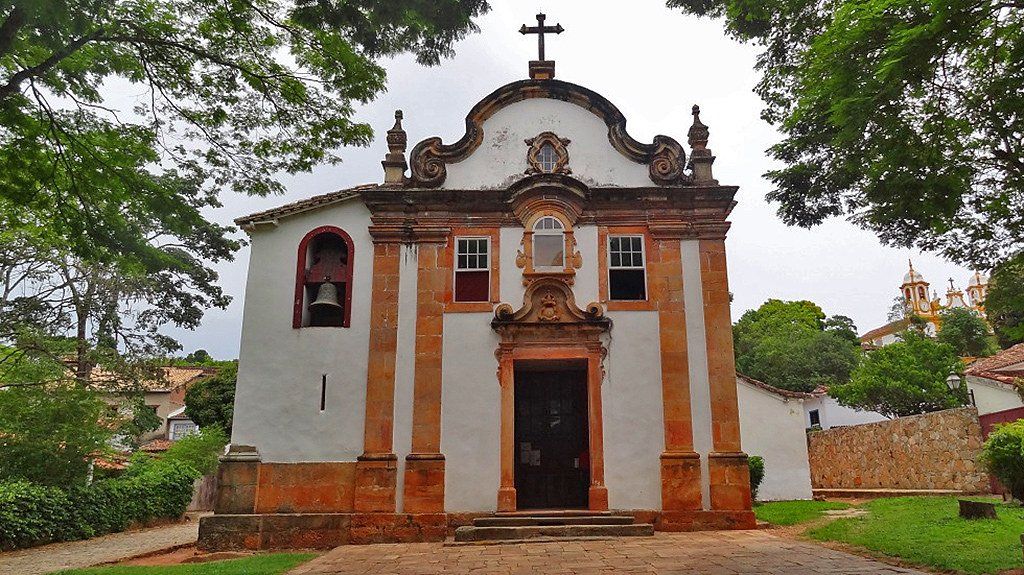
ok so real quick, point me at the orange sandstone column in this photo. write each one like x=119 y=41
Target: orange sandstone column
x=506 y=378
x=424 y=466
x=376 y=470
x=730 y=476
x=598 y=493
x=680 y=465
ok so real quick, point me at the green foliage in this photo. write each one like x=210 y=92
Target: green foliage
x=904 y=115
x=49 y=432
x=1004 y=303
x=199 y=450
x=965 y=331
x=263 y=564
x=32 y=514
x=903 y=378
x=793 y=345
x=198 y=357
x=1003 y=456
x=793 y=512
x=211 y=401
x=232 y=93
x=927 y=531
x=756 y=465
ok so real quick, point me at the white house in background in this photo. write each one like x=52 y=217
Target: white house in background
x=991 y=379
x=822 y=410
x=772 y=427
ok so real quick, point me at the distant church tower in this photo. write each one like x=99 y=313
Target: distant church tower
x=977 y=289
x=915 y=292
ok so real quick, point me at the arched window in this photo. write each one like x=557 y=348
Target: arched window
x=920 y=292
x=323 y=282
x=548 y=244
x=547 y=158
x=910 y=295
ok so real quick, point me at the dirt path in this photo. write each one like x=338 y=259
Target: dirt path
x=77 y=554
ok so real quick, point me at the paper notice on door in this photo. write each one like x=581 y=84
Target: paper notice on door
x=535 y=458
x=525 y=449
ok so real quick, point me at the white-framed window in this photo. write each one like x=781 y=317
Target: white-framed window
x=547 y=158
x=548 y=243
x=180 y=429
x=472 y=269
x=627 y=277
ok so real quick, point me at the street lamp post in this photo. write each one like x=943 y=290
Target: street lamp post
x=954 y=382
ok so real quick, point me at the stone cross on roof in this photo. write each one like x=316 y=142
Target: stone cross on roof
x=541 y=69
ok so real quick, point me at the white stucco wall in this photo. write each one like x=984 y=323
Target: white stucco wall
x=501 y=157
x=991 y=396
x=697 y=355
x=773 y=427
x=277 y=401
x=405 y=363
x=634 y=429
x=833 y=415
x=470 y=413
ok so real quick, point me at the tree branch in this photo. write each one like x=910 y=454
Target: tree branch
x=15 y=81
x=9 y=29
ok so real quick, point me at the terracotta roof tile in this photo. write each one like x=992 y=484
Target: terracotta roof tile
x=1003 y=359
x=304 y=205
x=776 y=390
x=156 y=446
x=887 y=329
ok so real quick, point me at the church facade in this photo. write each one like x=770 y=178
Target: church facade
x=535 y=316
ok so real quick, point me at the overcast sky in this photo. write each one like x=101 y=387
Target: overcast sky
x=654 y=64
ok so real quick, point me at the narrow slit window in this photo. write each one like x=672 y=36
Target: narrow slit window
x=323 y=392
x=472 y=270
x=627 y=279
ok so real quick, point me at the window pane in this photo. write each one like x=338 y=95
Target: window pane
x=616 y=259
x=548 y=250
x=626 y=285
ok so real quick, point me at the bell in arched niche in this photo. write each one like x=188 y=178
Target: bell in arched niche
x=326 y=281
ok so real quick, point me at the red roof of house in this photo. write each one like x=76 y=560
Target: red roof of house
x=1000 y=361
x=303 y=205
x=156 y=446
x=776 y=390
x=887 y=329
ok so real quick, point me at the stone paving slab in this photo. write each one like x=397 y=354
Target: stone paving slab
x=114 y=547
x=703 y=553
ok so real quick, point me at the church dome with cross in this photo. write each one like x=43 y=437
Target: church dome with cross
x=438 y=345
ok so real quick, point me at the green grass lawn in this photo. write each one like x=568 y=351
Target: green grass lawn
x=928 y=531
x=793 y=512
x=271 y=564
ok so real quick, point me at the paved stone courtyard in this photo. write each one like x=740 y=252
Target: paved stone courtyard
x=76 y=554
x=704 y=553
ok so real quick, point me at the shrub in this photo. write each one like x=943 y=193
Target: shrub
x=199 y=450
x=1003 y=457
x=33 y=514
x=756 y=464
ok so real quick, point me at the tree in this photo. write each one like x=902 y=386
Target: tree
x=231 y=94
x=793 y=345
x=1003 y=456
x=211 y=401
x=965 y=331
x=1004 y=303
x=903 y=378
x=199 y=356
x=906 y=116
x=48 y=433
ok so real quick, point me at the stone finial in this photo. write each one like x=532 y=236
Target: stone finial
x=700 y=156
x=698 y=134
x=394 y=162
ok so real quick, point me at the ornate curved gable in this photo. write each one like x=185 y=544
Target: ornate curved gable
x=665 y=157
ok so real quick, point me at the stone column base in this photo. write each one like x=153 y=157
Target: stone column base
x=597 y=498
x=680 y=480
x=704 y=520
x=237 y=478
x=423 y=491
x=506 y=499
x=730 y=481
x=376 y=483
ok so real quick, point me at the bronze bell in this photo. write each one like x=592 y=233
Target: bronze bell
x=326 y=297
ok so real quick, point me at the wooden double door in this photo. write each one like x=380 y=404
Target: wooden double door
x=552 y=459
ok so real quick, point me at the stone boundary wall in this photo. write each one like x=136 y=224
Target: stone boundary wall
x=937 y=450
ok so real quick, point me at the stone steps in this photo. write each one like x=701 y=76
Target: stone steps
x=519 y=521
x=546 y=525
